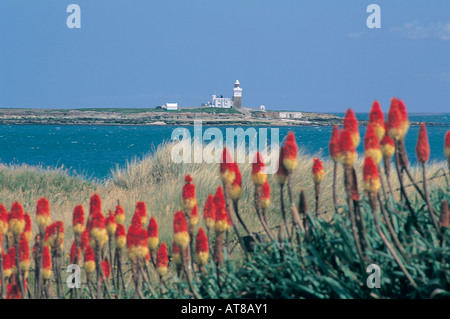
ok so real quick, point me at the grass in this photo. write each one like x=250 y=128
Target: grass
x=158 y=181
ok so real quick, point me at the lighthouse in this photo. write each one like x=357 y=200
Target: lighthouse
x=237 y=95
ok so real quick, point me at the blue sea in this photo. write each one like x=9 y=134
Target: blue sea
x=94 y=150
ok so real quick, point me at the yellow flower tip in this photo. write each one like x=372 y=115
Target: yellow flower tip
x=221 y=226
x=202 y=257
x=111 y=229
x=17 y=226
x=120 y=219
x=290 y=163
x=375 y=154
x=379 y=131
x=349 y=158
x=189 y=203
x=79 y=229
x=47 y=273
x=181 y=239
x=194 y=220
x=372 y=185
x=318 y=177
x=162 y=270
x=121 y=241
x=236 y=192
x=228 y=177
x=24 y=265
x=210 y=223
x=265 y=203
x=356 y=139
x=43 y=221
x=7 y=273
x=153 y=243
x=89 y=266
x=388 y=151
x=259 y=178
x=28 y=235
x=176 y=258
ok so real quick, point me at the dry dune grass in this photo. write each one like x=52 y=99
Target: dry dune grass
x=158 y=181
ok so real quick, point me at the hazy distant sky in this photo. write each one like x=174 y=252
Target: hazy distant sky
x=298 y=55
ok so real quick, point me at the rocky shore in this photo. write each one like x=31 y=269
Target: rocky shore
x=147 y=116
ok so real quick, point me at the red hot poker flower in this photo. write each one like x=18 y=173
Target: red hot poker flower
x=78 y=220
x=162 y=260
x=120 y=214
x=351 y=125
x=120 y=236
x=188 y=197
x=317 y=171
x=153 y=236
x=387 y=147
x=43 y=214
x=17 y=219
x=227 y=170
x=89 y=260
x=54 y=234
x=221 y=223
x=194 y=216
x=282 y=173
x=290 y=150
x=265 y=196
x=236 y=187
x=137 y=243
x=27 y=230
x=423 y=146
x=372 y=144
x=259 y=175
x=447 y=146
x=201 y=247
x=73 y=253
x=111 y=224
x=180 y=229
x=334 y=145
x=348 y=149
x=3 y=219
x=46 y=263
x=141 y=210
x=106 y=267
x=370 y=176
x=209 y=212
x=24 y=254
x=95 y=205
x=376 y=118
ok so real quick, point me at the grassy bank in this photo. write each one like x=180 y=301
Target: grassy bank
x=158 y=181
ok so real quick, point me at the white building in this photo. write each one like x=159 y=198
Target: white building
x=171 y=106
x=225 y=102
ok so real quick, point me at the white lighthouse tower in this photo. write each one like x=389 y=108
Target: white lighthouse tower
x=237 y=95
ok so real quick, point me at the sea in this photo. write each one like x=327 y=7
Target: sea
x=93 y=151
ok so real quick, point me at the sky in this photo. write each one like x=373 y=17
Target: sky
x=287 y=54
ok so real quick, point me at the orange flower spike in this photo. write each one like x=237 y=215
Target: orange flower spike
x=1 y=244
x=162 y=260
x=28 y=232
x=137 y=243
x=4 y=225
x=136 y=221
x=227 y=170
x=188 y=197
x=282 y=173
x=376 y=118
x=194 y=216
x=95 y=205
x=290 y=150
x=387 y=147
x=180 y=229
x=106 y=267
x=120 y=214
x=85 y=238
x=78 y=220
x=54 y=234
x=265 y=198
x=17 y=219
x=141 y=210
x=111 y=224
x=423 y=146
x=24 y=253
x=98 y=232
x=221 y=223
x=236 y=187
x=209 y=212
x=13 y=291
x=351 y=125
x=334 y=146
x=259 y=175
x=73 y=253
x=6 y=265
x=370 y=176
x=176 y=254
x=89 y=260
x=201 y=248
x=447 y=146
x=372 y=144
x=397 y=119
x=46 y=263
x=12 y=259
x=317 y=171
x=153 y=235
x=348 y=149
x=120 y=236
x=43 y=214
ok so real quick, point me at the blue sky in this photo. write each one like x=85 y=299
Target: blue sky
x=287 y=54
